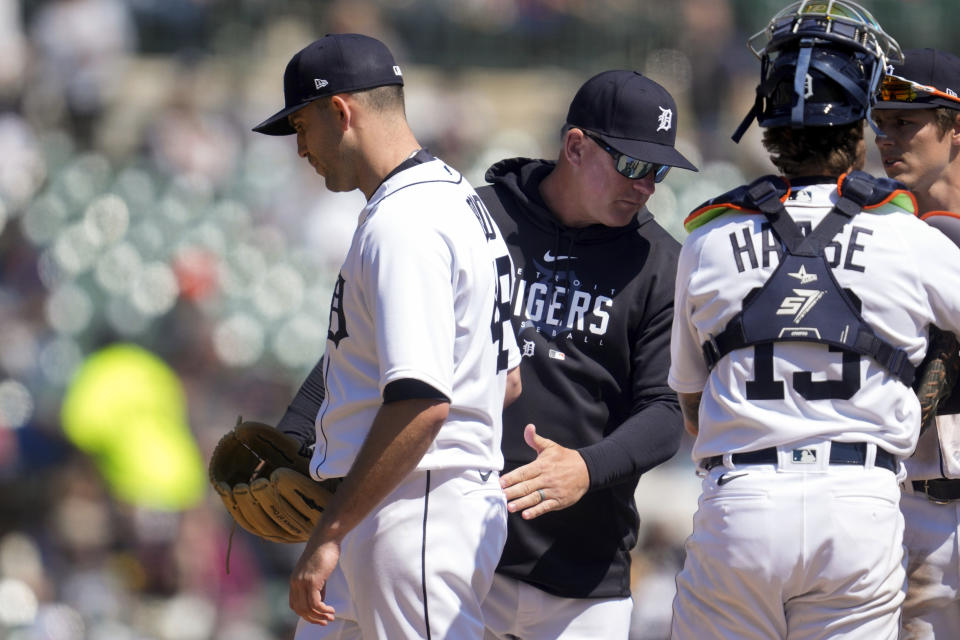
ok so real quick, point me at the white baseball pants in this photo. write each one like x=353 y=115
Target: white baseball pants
x=932 y=607
x=785 y=553
x=515 y=609
x=419 y=566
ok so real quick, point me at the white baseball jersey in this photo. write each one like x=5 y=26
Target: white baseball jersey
x=906 y=277
x=418 y=298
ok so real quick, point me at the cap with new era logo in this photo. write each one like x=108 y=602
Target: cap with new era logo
x=631 y=113
x=931 y=68
x=336 y=63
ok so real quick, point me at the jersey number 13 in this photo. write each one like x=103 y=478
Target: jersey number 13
x=765 y=387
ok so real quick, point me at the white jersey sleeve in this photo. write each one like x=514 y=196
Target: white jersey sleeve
x=905 y=276
x=417 y=298
x=688 y=370
x=408 y=275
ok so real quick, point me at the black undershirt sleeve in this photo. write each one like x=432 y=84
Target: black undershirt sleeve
x=300 y=418
x=410 y=388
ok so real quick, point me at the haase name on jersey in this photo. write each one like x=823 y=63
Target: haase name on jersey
x=752 y=250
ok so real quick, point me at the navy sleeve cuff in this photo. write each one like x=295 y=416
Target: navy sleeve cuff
x=409 y=389
x=631 y=450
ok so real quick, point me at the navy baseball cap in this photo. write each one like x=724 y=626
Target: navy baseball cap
x=926 y=79
x=336 y=63
x=631 y=113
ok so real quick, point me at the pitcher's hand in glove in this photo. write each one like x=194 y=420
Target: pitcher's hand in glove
x=263 y=478
x=555 y=480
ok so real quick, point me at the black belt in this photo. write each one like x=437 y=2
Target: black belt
x=840 y=453
x=939 y=489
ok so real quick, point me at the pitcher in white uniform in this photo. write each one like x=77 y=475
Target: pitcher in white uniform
x=416 y=366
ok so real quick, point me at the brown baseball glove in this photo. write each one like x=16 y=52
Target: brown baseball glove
x=262 y=477
x=937 y=375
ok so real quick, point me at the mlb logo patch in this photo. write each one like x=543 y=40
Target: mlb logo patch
x=557 y=355
x=805 y=456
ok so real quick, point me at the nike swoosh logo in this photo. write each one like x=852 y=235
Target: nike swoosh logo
x=548 y=257
x=727 y=477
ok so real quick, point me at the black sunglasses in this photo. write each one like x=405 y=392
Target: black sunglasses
x=631 y=167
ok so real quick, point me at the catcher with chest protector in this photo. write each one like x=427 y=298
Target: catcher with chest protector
x=802 y=308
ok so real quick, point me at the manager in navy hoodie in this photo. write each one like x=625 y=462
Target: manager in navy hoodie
x=592 y=309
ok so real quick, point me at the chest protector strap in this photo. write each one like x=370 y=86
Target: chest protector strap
x=802 y=300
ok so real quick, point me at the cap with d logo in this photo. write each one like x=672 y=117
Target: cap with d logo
x=631 y=113
x=336 y=63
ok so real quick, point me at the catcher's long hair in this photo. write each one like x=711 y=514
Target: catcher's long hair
x=832 y=150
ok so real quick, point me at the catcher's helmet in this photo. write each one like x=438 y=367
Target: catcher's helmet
x=821 y=63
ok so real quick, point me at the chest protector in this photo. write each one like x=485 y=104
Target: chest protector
x=802 y=300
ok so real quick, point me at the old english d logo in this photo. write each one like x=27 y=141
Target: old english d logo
x=338 y=321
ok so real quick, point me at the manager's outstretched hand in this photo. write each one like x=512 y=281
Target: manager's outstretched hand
x=555 y=480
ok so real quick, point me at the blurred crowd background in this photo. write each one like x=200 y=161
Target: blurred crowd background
x=164 y=270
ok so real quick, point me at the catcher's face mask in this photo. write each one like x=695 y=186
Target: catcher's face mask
x=815 y=49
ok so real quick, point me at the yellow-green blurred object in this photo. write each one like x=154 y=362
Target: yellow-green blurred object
x=126 y=408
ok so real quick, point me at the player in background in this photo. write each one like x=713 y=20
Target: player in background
x=919 y=116
x=803 y=304
x=592 y=309
x=411 y=416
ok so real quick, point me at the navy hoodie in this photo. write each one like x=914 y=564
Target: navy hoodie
x=592 y=308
